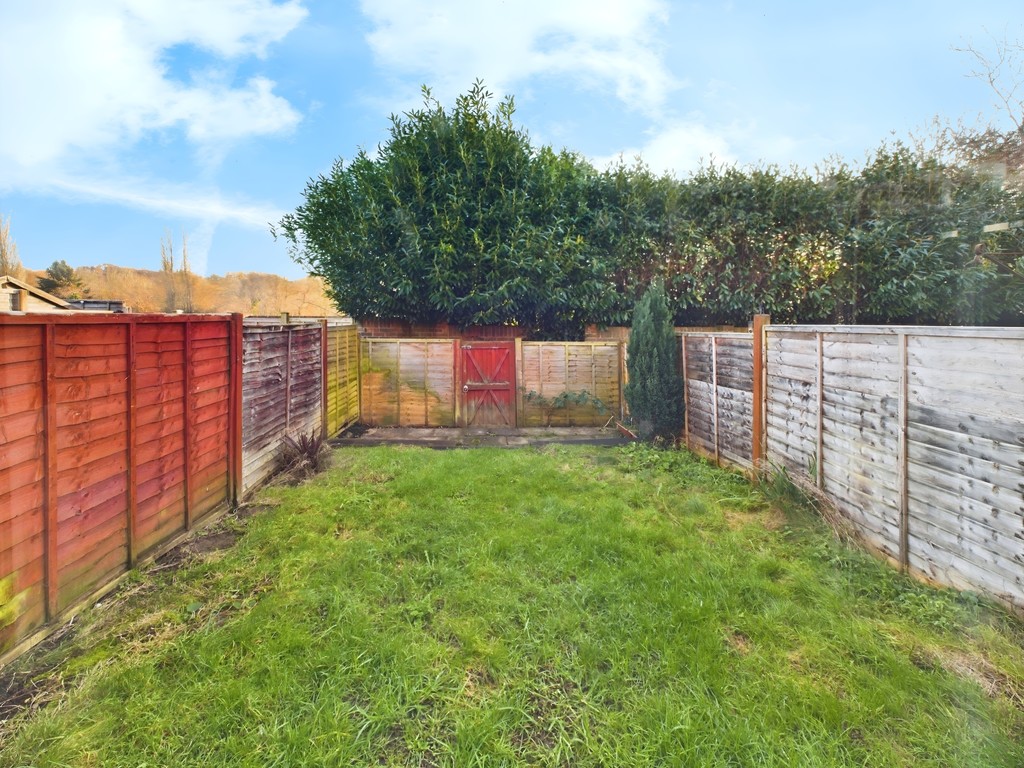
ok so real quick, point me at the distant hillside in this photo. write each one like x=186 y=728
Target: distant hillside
x=251 y=293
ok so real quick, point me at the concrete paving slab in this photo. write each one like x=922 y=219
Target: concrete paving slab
x=472 y=437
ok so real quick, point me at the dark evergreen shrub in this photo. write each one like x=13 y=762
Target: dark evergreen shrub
x=655 y=391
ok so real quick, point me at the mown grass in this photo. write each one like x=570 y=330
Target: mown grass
x=565 y=606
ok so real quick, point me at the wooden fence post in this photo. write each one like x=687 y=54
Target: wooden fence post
x=714 y=395
x=398 y=382
x=237 y=367
x=686 y=399
x=323 y=378
x=50 y=470
x=186 y=399
x=426 y=378
x=819 y=459
x=622 y=380
x=288 y=381
x=369 y=362
x=457 y=378
x=901 y=458
x=133 y=456
x=359 y=374
x=760 y=391
x=520 y=406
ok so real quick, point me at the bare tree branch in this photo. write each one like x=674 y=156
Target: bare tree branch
x=1003 y=71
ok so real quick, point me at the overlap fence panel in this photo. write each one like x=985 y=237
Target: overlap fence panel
x=210 y=414
x=718 y=380
x=23 y=480
x=116 y=436
x=341 y=371
x=833 y=418
x=964 y=458
x=916 y=435
x=282 y=391
x=549 y=369
x=160 y=425
x=408 y=382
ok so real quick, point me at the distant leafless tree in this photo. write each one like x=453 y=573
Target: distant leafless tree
x=10 y=264
x=177 y=277
x=1001 y=66
x=1003 y=71
x=187 y=278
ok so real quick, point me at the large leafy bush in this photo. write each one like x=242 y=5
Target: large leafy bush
x=456 y=218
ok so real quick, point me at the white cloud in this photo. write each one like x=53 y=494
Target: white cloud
x=228 y=28
x=206 y=207
x=182 y=201
x=84 y=82
x=599 y=43
x=89 y=76
x=680 y=147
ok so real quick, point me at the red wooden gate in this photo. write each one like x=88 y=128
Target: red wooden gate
x=488 y=384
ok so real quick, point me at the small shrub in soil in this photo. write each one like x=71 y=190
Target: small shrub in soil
x=303 y=456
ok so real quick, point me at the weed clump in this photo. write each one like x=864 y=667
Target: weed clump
x=793 y=492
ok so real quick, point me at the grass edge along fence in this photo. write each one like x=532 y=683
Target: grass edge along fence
x=120 y=433
x=914 y=434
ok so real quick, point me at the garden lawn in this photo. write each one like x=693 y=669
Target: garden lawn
x=566 y=606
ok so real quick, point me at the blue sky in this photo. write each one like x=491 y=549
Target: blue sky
x=125 y=121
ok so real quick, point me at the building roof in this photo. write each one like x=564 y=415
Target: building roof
x=12 y=283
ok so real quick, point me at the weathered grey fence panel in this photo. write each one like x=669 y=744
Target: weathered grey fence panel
x=965 y=460
x=858 y=433
x=718 y=381
x=281 y=391
x=917 y=435
x=791 y=409
x=832 y=419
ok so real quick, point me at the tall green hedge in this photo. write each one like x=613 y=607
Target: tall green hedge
x=458 y=217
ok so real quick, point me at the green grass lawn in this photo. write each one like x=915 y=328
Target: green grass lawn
x=567 y=606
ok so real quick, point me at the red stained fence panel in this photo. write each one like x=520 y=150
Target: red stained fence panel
x=116 y=434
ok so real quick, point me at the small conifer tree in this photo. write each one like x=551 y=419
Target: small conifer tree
x=62 y=281
x=654 y=391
